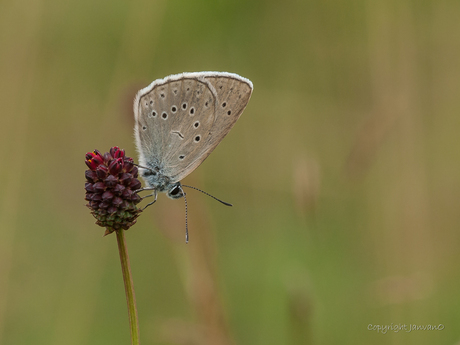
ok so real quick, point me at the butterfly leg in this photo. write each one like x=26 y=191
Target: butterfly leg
x=155 y=193
x=142 y=189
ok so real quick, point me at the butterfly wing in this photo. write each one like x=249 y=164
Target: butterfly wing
x=231 y=96
x=179 y=120
x=164 y=114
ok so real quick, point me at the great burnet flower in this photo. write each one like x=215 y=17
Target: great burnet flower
x=111 y=184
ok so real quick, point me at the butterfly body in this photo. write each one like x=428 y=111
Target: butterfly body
x=180 y=119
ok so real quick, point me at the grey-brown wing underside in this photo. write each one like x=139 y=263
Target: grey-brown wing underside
x=232 y=97
x=179 y=120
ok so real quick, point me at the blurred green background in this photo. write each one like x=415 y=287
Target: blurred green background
x=344 y=171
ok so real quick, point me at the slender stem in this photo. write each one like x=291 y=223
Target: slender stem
x=129 y=287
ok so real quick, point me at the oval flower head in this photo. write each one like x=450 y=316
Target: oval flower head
x=111 y=189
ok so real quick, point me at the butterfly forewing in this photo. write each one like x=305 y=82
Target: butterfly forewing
x=179 y=120
x=170 y=116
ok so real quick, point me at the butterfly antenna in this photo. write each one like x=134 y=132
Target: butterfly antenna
x=186 y=224
x=202 y=191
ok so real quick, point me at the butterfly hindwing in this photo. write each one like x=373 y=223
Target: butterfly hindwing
x=231 y=96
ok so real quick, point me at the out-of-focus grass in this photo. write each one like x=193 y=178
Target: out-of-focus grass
x=343 y=171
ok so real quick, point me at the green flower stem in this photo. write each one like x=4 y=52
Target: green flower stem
x=129 y=287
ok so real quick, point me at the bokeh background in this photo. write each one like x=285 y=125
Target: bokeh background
x=344 y=171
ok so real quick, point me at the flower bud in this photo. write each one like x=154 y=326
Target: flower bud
x=111 y=181
x=89 y=187
x=91 y=176
x=99 y=186
x=107 y=195
x=113 y=150
x=96 y=197
x=119 y=189
x=107 y=157
x=117 y=201
x=135 y=184
x=116 y=166
x=126 y=178
x=129 y=166
x=101 y=172
x=119 y=153
x=127 y=193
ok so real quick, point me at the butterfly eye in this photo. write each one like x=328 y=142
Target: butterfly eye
x=176 y=192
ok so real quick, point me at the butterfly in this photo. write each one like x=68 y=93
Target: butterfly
x=179 y=120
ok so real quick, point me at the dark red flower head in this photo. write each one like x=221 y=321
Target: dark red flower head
x=111 y=184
